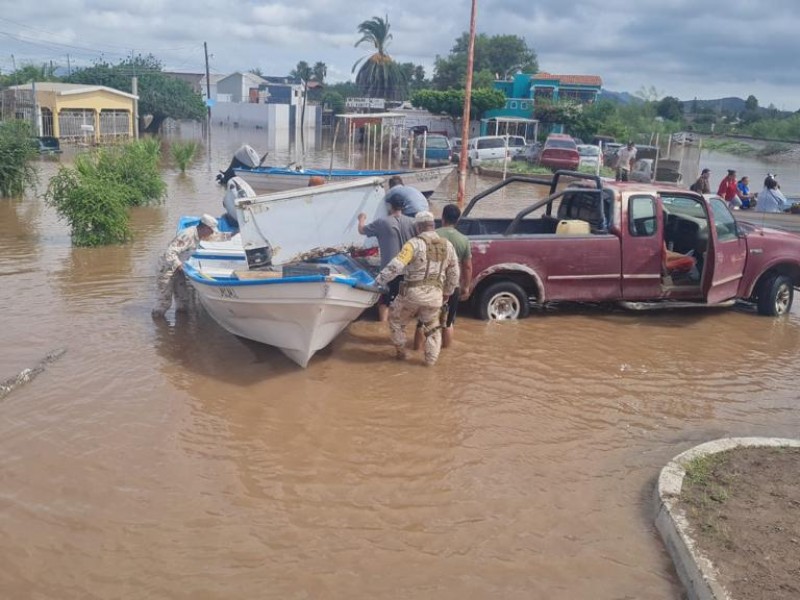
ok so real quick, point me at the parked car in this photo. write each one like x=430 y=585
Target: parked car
x=560 y=152
x=516 y=145
x=610 y=154
x=435 y=148
x=530 y=154
x=603 y=140
x=591 y=156
x=643 y=246
x=486 y=148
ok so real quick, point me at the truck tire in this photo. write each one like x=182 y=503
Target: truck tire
x=775 y=295
x=503 y=300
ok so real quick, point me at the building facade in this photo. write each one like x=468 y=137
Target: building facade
x=80 y=113
x=525 y=90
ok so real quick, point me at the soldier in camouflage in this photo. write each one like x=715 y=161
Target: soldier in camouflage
x=171 y=279
x=431 y=272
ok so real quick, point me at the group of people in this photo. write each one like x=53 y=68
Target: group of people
x=426 y=271
x=736 y=192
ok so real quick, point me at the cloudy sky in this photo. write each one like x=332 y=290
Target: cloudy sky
x=683 y=48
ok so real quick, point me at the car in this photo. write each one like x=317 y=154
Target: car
x=487 y=148
x=530 y=154
x=560 y=152
x=610 y=154
x=591 y=156
x=516 y=145
x=644 y=246
x=435 y=149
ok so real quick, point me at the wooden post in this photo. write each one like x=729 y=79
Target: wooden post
x=462 y=162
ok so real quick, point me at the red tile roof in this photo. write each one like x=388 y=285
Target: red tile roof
x=572 y=79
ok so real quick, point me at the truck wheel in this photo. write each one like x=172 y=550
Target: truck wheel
x=775 y=295
x=503 y=300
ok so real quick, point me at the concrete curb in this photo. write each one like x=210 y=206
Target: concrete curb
x=696 y=572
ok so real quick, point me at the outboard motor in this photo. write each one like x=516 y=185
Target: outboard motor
x=245 y=157
x=236 y=188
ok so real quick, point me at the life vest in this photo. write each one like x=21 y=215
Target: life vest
x=435 y=253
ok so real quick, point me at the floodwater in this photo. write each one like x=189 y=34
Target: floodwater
x=176 y=461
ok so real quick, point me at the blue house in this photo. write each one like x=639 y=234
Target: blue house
x=524 y=90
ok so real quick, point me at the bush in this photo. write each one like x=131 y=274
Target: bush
x=135 y=166
x=17 y=151
x=95 y=209
x=183 y=153
x=95 y=195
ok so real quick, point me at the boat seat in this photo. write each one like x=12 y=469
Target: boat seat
x=573 y=227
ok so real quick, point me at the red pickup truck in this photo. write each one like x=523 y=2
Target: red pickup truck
x=645 y=246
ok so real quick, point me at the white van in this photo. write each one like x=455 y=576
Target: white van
x=487 y=148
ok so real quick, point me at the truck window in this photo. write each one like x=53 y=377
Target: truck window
x=723 y=221
x=642 y=216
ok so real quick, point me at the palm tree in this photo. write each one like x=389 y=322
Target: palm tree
x=379 y=76
x=320 y=71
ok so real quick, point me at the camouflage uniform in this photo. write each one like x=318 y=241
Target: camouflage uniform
x=171 y=279
x=431 y=272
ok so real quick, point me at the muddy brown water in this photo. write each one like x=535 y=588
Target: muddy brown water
x=177 y=461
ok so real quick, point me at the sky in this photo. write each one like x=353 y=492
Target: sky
x=685 y=48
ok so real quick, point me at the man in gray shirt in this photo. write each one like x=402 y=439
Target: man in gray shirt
x=391 y=232
x=413 y=200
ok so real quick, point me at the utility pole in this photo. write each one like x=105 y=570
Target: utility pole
x=69 y=67
x=135 y=90
x=462 y=159
x=208 y=84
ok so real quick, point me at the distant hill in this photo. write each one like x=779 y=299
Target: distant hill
x=729 y=105
x=619 y=97
x=720 y=105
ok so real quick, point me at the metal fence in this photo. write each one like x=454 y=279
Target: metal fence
x=16 y=104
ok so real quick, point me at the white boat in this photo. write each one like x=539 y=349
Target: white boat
x=270 y=179
x=299 y=309
x=263 y=178
x=263 y=283
x=282 y=227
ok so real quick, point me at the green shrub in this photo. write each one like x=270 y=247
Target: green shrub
x=17 y=151
x=94 y=195
x=96 y=209
x=183 y=153
x=135 y=166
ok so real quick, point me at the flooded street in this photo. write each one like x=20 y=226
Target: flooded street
x=174 y=460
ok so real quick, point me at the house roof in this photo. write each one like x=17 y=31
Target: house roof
x=251 y=77
x=69 y=89
x=593 y=80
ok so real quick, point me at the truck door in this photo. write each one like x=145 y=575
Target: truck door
x=642 y=237
x=727 y=254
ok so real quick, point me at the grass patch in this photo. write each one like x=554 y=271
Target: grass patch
x=730 y=147
x=705 y=491
x=773 y=148
x=183 y=153
x=17 y=152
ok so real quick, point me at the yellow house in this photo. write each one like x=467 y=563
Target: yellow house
x=75 y=112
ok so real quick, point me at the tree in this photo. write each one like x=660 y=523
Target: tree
x=670 y=108
x=160 y=95
x=319 y=71
x=379 y=76
x=499 y=55
x=751 y=103
x=451 y=102
x=256 y=71
x=28 y=73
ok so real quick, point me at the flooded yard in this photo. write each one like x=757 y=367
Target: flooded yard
x=174 y=460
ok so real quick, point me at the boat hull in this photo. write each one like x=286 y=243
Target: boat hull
x=270 y=179
x=299 y=315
